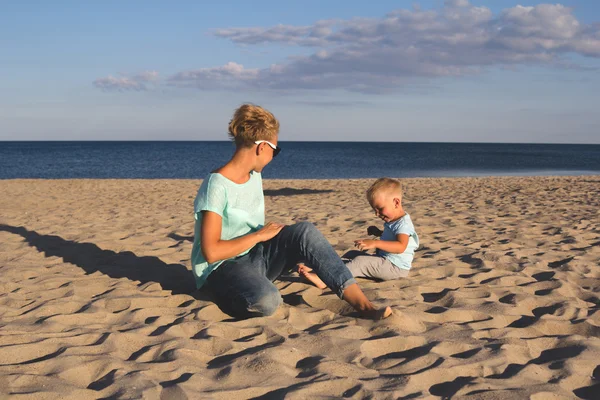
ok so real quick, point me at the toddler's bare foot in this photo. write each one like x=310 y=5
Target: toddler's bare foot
x=310 y=276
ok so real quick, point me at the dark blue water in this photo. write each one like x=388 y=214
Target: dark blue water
x=297 y=159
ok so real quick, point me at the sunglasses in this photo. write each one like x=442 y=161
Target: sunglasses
x=276 y=149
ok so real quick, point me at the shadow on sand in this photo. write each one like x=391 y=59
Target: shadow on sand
x=181 y=238
x=294 y=192
x=89 y=257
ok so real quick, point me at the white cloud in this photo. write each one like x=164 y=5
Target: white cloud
x=301 y=35
x=146 y=76
x=230 y=74
x=136 y=83
x=405 y=46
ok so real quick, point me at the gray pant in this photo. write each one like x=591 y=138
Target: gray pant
x=363 y=265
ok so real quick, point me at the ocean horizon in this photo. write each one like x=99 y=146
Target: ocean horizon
x=298 y=160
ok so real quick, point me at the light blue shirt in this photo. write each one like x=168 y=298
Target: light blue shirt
x=404 y=226
x=241 y=207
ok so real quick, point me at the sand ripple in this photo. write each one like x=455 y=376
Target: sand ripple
x=97 y=300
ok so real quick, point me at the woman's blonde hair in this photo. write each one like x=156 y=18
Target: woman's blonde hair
x=388 y=185
x=251 y=123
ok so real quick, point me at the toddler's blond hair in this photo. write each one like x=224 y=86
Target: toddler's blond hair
x=251 y=123
x=387 y=185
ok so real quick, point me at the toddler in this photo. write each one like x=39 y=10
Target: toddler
x=398 y=241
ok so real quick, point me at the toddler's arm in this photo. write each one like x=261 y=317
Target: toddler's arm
x=391 y=246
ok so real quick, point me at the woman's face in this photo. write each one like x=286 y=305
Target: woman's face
x=267 y=149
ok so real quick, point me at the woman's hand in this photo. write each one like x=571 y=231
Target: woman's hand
x=269 y=231
x=375 y=231
x=365 y=244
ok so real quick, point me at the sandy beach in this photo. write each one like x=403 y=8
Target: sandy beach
x=503 y=302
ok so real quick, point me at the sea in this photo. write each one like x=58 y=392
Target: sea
x=297 y=160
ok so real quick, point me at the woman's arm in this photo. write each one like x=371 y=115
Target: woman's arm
x=214 y=249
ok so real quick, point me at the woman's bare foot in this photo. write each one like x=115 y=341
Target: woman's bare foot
x=353 y=295
x=380 y=313
x=310 y=276
x=357 y=299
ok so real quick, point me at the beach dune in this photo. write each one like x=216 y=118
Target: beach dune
x=97 y=299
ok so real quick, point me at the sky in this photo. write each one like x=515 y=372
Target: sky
x=428 y=71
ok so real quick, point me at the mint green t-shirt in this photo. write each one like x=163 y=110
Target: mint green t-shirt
x=241 y=206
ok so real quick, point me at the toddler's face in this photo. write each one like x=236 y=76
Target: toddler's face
x=386 y=206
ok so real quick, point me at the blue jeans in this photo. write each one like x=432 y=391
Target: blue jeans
x=243 y=287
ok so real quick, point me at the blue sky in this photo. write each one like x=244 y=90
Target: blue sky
x=493 y=71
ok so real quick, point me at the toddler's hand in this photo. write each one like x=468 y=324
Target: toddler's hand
x=269 y=231
x=365 y=244
x=373 y=230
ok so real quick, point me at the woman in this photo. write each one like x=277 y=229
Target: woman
x=235 y=254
